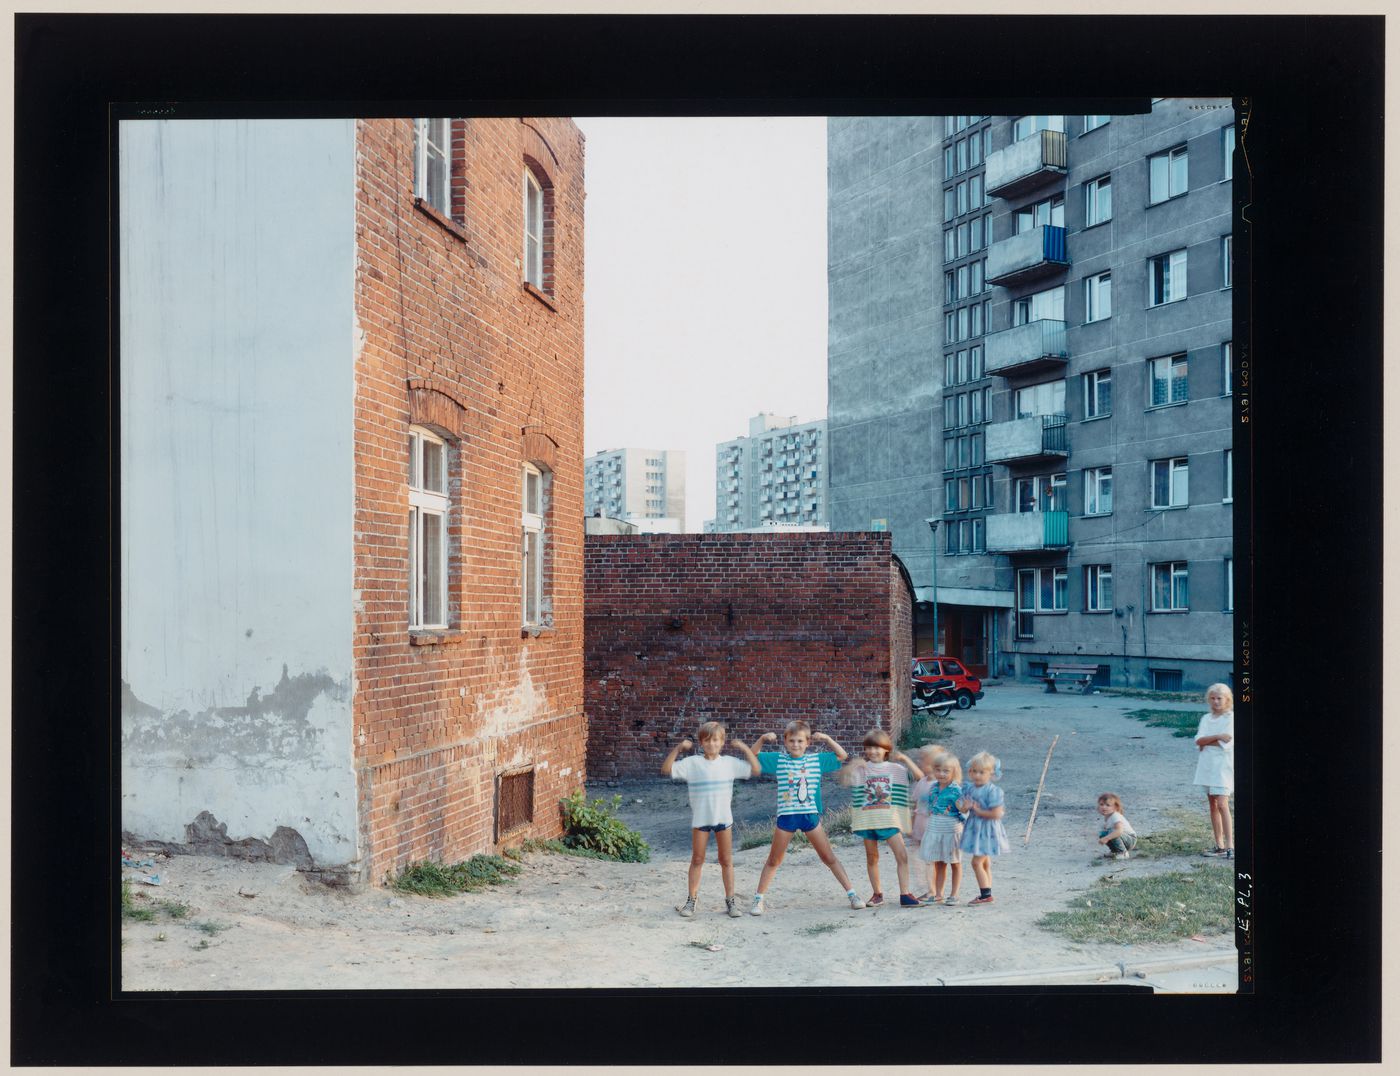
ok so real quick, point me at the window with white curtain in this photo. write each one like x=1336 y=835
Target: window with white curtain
x=533 y=208
x=432 y=163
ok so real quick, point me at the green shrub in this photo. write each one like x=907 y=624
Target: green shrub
x=596 y=828
x=926 y=727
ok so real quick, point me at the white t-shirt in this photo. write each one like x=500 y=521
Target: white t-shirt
x=1215 y=766
x=711 y=786
x=1113 y=820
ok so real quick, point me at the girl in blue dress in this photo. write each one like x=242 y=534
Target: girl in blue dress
x=983 y=834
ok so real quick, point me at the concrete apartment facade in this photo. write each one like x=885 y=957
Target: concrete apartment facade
x=645 y=486
x=776 y=475
x=351 y=445
x=1031 y=344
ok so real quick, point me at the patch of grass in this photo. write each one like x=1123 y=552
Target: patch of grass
x=1152 y=908
x=427 y=879
x=174 y=908
x=554 y=847
x=596 y=827
x=752 y=836
x=821 y=928
x=137 y=912
x=1155 y=696
x=203 y=944
x=210 y=927
x=1181 y=722
x=926 y=727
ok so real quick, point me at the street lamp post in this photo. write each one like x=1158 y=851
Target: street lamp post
x=933 y=531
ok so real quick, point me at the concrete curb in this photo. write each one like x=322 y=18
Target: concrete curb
x=1080 y=973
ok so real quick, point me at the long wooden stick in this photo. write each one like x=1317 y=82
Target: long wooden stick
x=1039 y=788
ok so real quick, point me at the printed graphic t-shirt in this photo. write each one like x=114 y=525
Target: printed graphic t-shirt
x=799 y=779
x=881 y=799
x=710 y=786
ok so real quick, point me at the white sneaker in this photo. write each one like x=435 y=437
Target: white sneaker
x=757 y=907
x=688 y=908
x=731 y=907
x=1120 y=855
x=856 y=902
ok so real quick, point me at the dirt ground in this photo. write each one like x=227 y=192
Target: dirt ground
x=570 y=922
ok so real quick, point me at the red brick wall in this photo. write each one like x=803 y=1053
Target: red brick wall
x=749 y=629
x=452 y=339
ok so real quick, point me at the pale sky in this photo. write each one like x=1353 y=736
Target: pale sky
x=705 y=283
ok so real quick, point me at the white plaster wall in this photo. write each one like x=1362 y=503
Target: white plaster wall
x=237 y=345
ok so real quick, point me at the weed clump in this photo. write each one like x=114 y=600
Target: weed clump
x=427 y=879
x=595 y=827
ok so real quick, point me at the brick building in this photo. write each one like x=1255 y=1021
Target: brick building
x=352 y=375
x=749 y=629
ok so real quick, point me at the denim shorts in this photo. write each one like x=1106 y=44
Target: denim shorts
x=716 y=828
x=794 y=823
x=876 y=834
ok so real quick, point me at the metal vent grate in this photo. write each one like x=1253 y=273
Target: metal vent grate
x=1166 y=679
x=515 y=801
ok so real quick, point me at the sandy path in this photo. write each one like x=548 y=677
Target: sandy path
x=568 y=922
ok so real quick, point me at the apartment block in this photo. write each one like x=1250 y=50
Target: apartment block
x=1030 y=377
x=644 y=486
x=776 y=475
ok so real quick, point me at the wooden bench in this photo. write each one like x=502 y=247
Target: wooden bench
x=1082 y=676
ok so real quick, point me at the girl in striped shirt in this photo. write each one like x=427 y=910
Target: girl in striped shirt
x=880 y=810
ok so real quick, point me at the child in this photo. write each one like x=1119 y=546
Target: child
x=1215 y=766
x=919 y=795
x=983 y=834
x=711 y=778
x=799 y=802
x=1117 y=832
x=880 y=811
x=945 y=828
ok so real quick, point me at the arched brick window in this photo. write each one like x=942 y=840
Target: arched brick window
x=537 y=227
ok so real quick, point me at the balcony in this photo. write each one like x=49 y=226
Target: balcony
x=1027 y=532
x=1037 y=439
x=1036 y=345
x=1025 y=165
x=1026 y=257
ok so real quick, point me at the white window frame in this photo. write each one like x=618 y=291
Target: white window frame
x=1098 y=491
x=1229 y=477
x=1025 y=126
x=425 y=503
x=1178 y=492
x=532 y=250
x=1170 y=189
x=1227 y=134
x=1229 y=584
x=1098 y=201
x=1163 y=370
x=1092 y=380
x=1178 y=586
x=531 y=547
x=1098 y=297
x=1227 y=261
x=1227 y=359
x=1093 y=123
x=425 y=165
x=1044 y=394
x=1039 y=306
x=1174 y=278
x=1097 y=579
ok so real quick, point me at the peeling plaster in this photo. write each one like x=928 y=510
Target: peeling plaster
x=272 y=728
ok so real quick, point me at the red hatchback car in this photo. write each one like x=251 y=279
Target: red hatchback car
x=966 y=686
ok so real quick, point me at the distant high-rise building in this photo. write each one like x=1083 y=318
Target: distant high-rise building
x=644 y=486
x=777 y=474
x=1030 y=344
